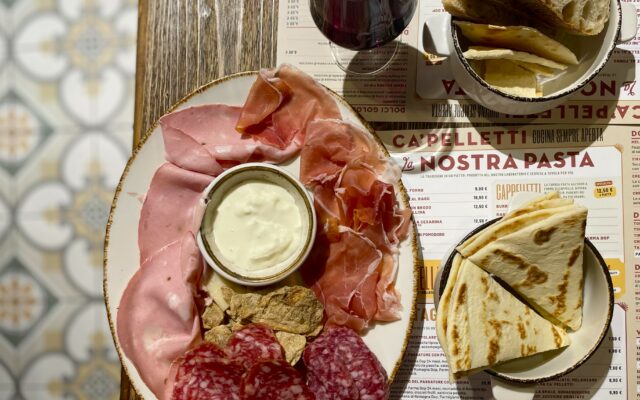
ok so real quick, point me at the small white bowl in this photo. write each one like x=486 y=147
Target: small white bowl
x=216 y=191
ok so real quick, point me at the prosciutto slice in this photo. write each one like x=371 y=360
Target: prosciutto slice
x=347 y=281
x=353 y=186
x=280 y=105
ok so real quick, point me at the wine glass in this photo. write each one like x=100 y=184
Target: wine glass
x=364 y=35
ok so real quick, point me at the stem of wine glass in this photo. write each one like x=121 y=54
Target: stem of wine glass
x=365 y=62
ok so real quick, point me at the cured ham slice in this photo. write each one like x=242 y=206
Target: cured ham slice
x=204 y=139
x=353 y=186
x=330 y=145
x=346 y=283
x=280 y=105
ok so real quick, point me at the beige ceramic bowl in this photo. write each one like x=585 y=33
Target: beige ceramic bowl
x=216 y=192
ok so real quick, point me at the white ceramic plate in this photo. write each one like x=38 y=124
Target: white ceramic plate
x=121 y=255
x=597 y=311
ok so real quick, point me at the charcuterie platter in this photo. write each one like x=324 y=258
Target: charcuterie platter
x=157 y=285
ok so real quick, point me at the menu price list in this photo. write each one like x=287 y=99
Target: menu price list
x=635 y=187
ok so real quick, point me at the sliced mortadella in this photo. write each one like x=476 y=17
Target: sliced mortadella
x=171 y=209
x=204 y=139
x=157 y=319
x=281 y=119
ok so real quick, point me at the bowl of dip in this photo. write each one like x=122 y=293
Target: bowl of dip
x=258 y=226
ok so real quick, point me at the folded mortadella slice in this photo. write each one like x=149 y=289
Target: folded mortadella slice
x=204 y=139
x=280 y=119
x=157 y=319
x=171 y=209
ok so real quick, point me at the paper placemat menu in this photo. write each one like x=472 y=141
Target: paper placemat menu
x=419 y=87
x=460 y=178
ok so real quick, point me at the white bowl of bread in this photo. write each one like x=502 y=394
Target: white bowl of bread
x=524 y=297
x=527 y=56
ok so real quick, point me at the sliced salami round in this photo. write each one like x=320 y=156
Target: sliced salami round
x=204 y=353
x=341 y=366
x=274 y=380
x=211 y=380
x=253 y=343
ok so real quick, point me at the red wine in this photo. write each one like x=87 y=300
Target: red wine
x=362 y=24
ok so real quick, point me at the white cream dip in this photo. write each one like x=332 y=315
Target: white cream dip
x=257 y=225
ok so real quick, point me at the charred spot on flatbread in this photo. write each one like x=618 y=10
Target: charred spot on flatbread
x=560 y=300
x=516 y=260
x=556 y=336
x=485 y=283
x=543 y=235
x=462 y=295
x=497 y=326
x=456 y=337
x=536 y=276
x=575 y=253
x=525 y=350
x=494 y=348
x=522 y=330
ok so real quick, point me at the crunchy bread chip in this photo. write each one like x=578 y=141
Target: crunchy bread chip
x=218 y=335
x=221 y=290
x=212 y=316
x=242 y=307
x=292 y=344
x=510 y=78
x=292 y=309
x=520 y=38
x=493 y=53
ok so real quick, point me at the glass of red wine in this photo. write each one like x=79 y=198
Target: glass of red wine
x=364 y=35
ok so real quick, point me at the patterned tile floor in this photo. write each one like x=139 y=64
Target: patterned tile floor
x=66 y=110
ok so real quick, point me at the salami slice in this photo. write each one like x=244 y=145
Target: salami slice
x=274 y=380
x=253 y=343
x=341 y=366
x=206 y=352
x=220 y=379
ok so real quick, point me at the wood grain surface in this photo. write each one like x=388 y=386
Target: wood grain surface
x=183 y=44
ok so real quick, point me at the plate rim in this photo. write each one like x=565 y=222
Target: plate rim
x=446 y=271
x=134 y=153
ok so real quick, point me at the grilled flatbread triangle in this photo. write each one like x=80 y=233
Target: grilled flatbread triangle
x=542 y=262
x=507 y=226
x=545 y=201
x=445 y=299
x=488 y=325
